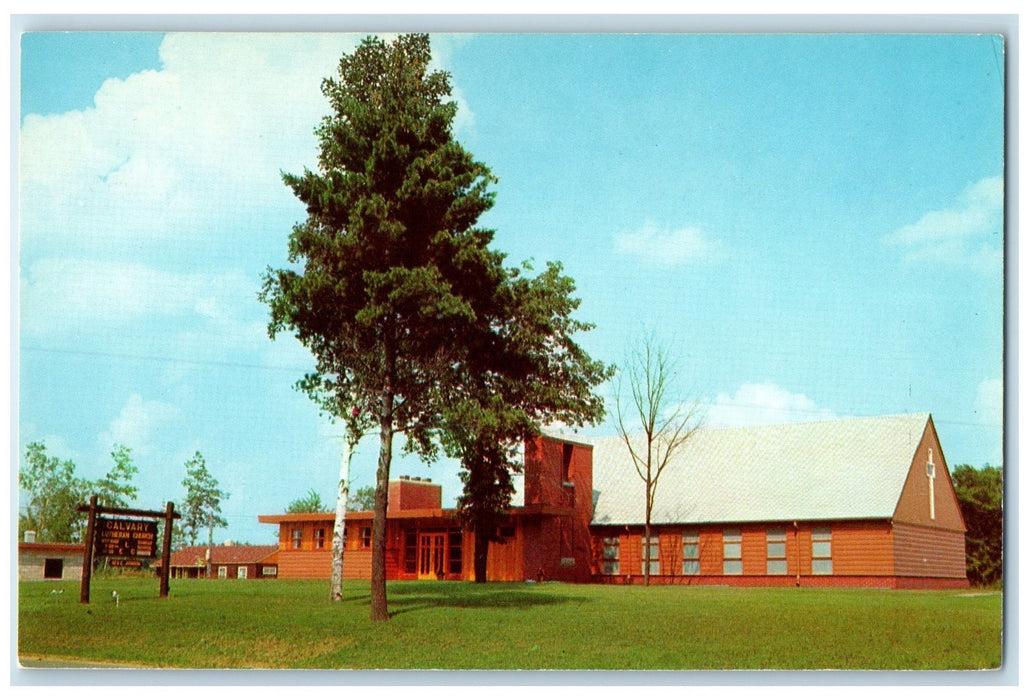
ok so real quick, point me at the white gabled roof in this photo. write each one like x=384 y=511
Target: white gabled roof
x=841 y=469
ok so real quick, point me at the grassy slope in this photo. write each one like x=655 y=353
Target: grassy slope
x=291 y=624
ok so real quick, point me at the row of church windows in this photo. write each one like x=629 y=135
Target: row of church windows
x=321 y=542
x=732 y=553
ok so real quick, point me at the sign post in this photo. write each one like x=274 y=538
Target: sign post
x=126 y=539
x=169 y=514
x=87 y=556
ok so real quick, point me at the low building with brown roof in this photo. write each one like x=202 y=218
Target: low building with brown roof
x=239 y=561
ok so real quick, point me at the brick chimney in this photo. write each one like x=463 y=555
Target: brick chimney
x=414 y=493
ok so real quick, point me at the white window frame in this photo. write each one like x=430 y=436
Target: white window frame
x=241 y=572
x=655 y=558
x=223 y=572
x=611 y=566
x=269 y=570
x=821 y=551
x=297 y=537
x=775 y=551
x=732 y=552
x=691 y=557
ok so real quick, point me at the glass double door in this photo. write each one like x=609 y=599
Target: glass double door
x=432 y=555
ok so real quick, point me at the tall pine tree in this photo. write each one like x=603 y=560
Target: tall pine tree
x=394 y=272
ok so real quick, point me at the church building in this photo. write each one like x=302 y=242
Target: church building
x=862 y=502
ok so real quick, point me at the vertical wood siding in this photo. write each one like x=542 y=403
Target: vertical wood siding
x=913 y=505
x=503 y=563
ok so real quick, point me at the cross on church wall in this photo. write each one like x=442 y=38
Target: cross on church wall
x=930 y=473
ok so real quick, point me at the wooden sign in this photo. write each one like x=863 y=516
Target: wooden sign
x=119 y=537
x=125 y=539
x=125 y=563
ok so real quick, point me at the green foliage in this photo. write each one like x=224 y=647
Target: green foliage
x=52 y=496
x=179 y=539
x=214 y=624
x=362 y=499
x=115 y=489
x=980 y=493
x=54 y=493
x=202 y=506
x=523 y=369
x=311 y=503
x=391 y=261
x=393 y=272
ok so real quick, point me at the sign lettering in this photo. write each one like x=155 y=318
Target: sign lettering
x=118 y=537
x=126 y=563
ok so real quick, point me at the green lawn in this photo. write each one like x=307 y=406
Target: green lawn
x=291 y=624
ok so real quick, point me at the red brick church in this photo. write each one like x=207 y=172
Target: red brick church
x=855 y=502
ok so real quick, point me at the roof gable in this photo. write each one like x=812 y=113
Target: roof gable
x=842 y=469
x=915 y=506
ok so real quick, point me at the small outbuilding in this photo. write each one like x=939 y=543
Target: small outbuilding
x=50 y=561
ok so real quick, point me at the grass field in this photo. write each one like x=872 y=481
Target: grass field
x=291 y=624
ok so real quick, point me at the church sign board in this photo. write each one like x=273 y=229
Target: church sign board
x=125 y=540
x=119 y=537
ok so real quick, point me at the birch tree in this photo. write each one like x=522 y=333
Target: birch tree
x=356 y=427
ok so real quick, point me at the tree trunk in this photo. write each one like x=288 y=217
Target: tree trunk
x=646 y=553
x=481 y=555
x=210 y=546
x=646 y=538
x=379 y=611
x=646 y=530
x=339 y=525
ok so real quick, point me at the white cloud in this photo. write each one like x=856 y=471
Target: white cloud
x=667 y=248
x=763 y=404
x=138 y=423
x=172 y=169
x=967 y=234
x=64 y=296
x=56 y=446
x=165 y=154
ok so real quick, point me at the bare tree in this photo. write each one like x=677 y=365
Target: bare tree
x=666 y=424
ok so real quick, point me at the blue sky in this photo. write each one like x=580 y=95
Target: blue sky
x=812 y=223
